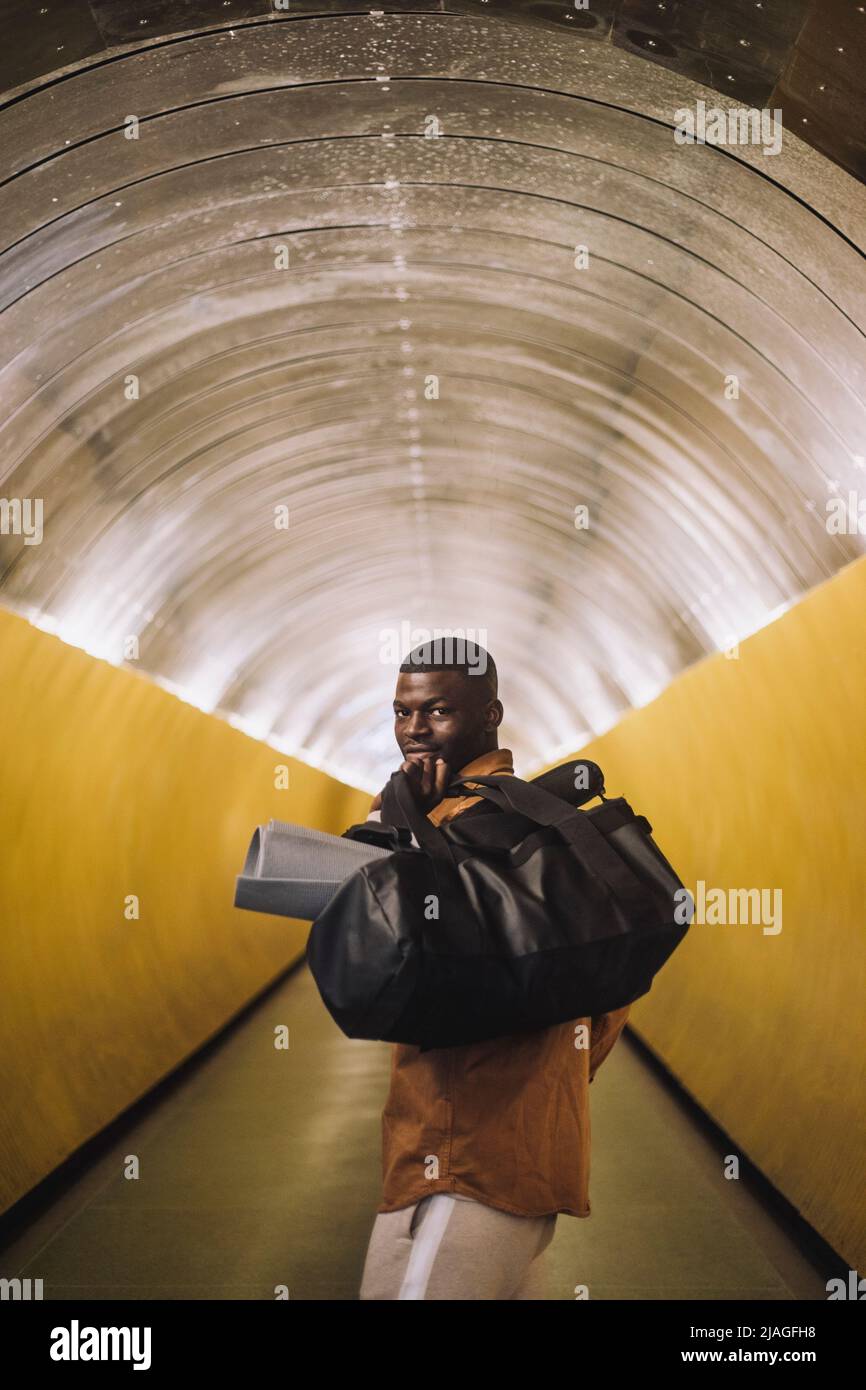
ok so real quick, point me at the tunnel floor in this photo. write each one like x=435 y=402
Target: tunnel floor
x=260 y=1168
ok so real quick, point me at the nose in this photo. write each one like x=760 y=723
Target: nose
x=417 y=725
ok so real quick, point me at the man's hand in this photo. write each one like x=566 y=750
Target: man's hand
x=428 y=778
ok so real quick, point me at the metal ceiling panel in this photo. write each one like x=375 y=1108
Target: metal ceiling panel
x=338 y=271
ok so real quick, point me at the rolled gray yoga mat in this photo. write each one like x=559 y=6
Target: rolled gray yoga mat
x=293 y=871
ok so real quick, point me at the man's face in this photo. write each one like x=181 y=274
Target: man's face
x=444 y=714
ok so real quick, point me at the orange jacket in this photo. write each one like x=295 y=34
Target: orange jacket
x=505 y=1122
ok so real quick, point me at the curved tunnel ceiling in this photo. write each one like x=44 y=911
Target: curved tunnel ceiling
x=336 y=275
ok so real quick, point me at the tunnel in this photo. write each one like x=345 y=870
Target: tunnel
x=327 y=328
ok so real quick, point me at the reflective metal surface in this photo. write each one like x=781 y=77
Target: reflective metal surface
x=335 y=280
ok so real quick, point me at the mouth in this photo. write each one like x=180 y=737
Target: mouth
x=416 y=748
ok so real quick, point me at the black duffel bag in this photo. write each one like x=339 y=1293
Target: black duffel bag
x=510 y=922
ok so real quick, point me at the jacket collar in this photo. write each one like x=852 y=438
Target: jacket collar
x=490 y=763
x=497 y=760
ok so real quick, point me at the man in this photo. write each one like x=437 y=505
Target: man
x=482 y=1145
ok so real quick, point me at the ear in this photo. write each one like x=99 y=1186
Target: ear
x=494 y=714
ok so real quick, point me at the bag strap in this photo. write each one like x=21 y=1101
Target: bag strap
x=425 y=832
x=576 y=827
x=400 y=808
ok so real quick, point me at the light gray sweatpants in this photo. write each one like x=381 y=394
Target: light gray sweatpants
x=447 y=1247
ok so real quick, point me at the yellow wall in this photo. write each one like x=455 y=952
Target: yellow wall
x=111 y=786
x=753 y=774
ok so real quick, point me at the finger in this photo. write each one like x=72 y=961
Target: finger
x=443 y=776
x=419 y=778
x=430 y=774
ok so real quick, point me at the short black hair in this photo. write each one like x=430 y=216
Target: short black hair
x=456 y=654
